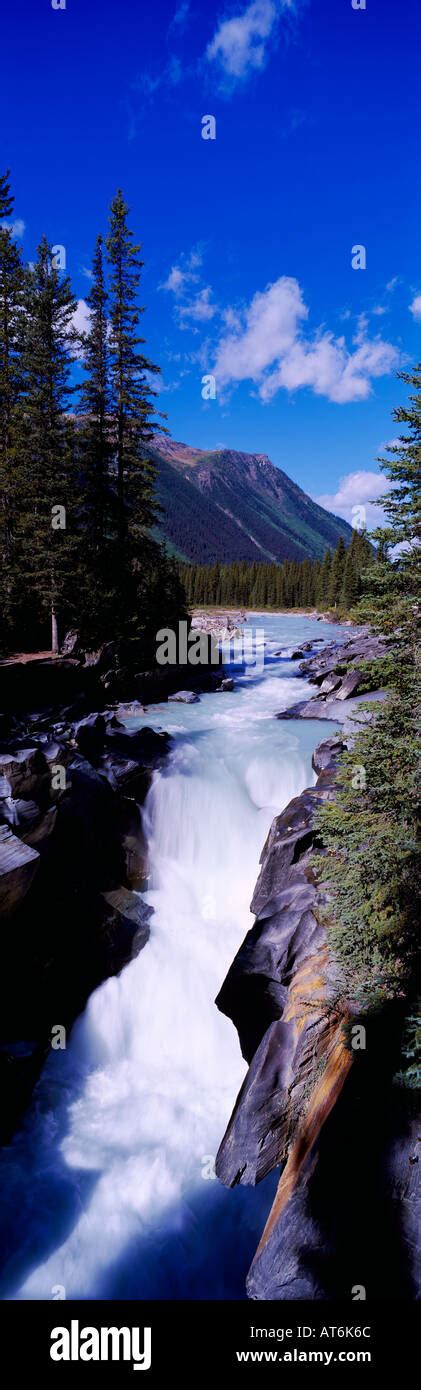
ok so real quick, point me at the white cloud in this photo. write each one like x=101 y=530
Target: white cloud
x=357 y=490
x=415 y=308
x=17 y=227
x=199 y=309
x=175 y=280
x=184 y=274
x=269 y=347
x=193 y=301
x=267 y=331
x=240 y=45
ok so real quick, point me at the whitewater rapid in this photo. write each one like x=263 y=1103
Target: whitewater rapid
x=111 y=1178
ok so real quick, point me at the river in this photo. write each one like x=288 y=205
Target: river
x=109 y=1184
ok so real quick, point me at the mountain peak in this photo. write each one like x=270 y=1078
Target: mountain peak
x=225 y=504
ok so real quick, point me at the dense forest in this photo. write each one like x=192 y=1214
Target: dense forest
x=77 y=485
x=334 y=582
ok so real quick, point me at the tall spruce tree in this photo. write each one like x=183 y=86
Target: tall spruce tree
x=45 y=529
x=11 y=301
x=336 y=577
x=132 y=396
x=149 y=589
x=98 y=510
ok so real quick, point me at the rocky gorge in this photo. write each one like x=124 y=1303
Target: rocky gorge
x=81 y=815
x=320 y=1099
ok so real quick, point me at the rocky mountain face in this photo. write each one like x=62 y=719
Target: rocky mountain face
x=333 y=1119
x=225 y=505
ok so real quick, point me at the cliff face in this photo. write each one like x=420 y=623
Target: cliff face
x=279 y=993
x=333 y=1118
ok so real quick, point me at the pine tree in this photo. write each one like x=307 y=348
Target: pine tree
x=351 y=580
x=45 y=531
x=324 y=580
x=98 y=513
x=11 y=296
x=143 y=568
x=337 y=574
x=6 y=199
x=391 y=601
x=131 y=392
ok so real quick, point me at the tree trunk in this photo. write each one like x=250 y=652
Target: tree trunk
x=54 y=633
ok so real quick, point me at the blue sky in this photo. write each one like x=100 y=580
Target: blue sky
x=247 y=237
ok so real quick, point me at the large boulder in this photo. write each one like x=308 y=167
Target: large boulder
x=26 y=771
x=145 y=744
x=18 y=865
x=349 y=685
x=126 y=921
x=183 y=697
x=90 y=736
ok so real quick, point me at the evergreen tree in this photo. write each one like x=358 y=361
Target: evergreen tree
x=133 y=412
x=6 y=199
x=351 y=581
x=149 y=589
x=370 y=833
x=11 y=295
x=45 y=533
x=98 y=514
x=322 y=598
x=336 y=577
x=131 y=393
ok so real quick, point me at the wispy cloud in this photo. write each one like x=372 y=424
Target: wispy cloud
x=184 y=273
x=242 y=43
x=180 y=17
x=268 y=346
x=200 y=308
x=193 y=301
x=415 y=308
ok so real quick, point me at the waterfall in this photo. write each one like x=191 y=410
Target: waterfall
x=127 y=1122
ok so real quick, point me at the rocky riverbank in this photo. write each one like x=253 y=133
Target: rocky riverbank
x=342 y=673
x=343 y=1218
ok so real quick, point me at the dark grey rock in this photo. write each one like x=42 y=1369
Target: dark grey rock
x=349 y=685
x=145 y=744
x=127 y=919
x=183 y=697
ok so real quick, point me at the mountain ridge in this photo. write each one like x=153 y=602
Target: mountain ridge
x=225 y=504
